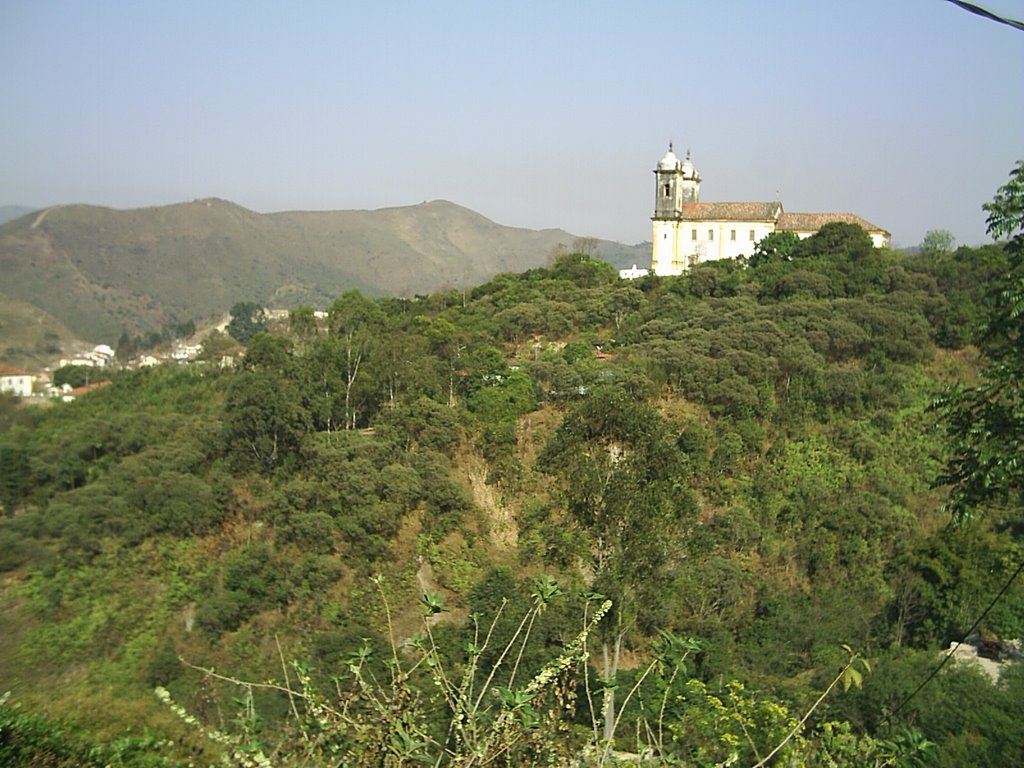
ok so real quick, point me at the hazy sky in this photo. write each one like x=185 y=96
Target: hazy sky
x=909 y=113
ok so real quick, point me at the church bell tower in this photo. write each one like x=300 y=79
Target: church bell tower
x=668 y=202
x=676 y=182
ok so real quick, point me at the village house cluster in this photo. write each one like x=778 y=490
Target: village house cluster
x=26 y=384
x=39 y=386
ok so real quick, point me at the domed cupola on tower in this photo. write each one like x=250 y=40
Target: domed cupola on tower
x=669 y=162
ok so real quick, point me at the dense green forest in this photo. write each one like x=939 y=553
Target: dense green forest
x=559 y=517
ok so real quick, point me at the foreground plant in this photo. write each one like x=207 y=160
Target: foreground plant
x=371 y=722
x=388 y=722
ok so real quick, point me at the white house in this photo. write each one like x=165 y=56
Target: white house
x=633 y=273
x=84 y=360
x=184 y=352
x=14 y=381
x=688 y=232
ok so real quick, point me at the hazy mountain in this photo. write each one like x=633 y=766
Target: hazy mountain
x=622 y=255
x=101 y=271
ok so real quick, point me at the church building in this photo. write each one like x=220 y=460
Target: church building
x=688 y=232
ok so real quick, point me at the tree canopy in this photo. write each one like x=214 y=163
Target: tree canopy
x=739 y=458
x=985 y=423
x=247 y=319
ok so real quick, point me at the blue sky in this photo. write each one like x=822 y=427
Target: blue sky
x=535 y=114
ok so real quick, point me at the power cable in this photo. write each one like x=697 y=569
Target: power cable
x=948 y=656
x=987 y=14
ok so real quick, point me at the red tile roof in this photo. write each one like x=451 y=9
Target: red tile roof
x=731 y=211
x=10 y=370
x=812 y=222
x=88 y=388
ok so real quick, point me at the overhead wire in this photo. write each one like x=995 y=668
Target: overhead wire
x=953 y=649
x=987 y=14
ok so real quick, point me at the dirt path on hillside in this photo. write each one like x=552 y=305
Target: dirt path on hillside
x=503 y=529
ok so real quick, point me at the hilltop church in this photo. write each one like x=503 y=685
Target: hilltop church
x=688 y=232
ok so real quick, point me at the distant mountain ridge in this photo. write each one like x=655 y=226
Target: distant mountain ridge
x=102 y=271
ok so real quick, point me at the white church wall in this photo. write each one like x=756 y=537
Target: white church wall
x=714 y=239
x=878 y=239
x=666 y=246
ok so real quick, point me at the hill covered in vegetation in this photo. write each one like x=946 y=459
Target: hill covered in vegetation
x=429 y=500
x=103 y=272
x=31 y=337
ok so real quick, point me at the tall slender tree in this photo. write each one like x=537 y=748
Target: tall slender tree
x=356 y=322
x=622 y=484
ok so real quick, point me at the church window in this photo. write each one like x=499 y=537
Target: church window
x=711 y=234
x=751 y=235
x=693 y=234
x=732 y=235
x=668 y=190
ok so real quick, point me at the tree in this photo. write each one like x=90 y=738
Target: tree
x=775 y=246
x=217 y=345
x=263 y=420
x=302 y=322
x=447 y=343
x=938 y=242
x=837 y=238
x=321 y=381
x=127 y=347
x=247 y=319
x=15 y=477
x=423 y=425
x=401 y=363
x=985 y=423
x=270 y=353
x=622 y=301
x=583 y=270
x=78 y=376
x=357 y=322
x=621 y=478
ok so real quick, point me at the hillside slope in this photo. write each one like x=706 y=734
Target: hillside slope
x=103 y=271
x=31 y=338
x=753 y=442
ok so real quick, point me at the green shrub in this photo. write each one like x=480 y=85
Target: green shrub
x=223 y=611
